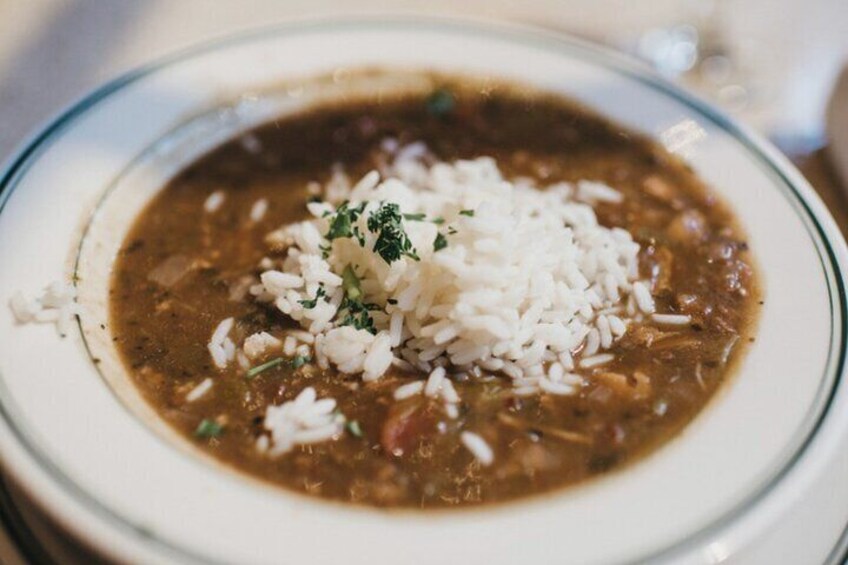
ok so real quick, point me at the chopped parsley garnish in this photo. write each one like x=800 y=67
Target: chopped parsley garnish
x=310 y=303
x=357 y=314
x=451 y=230
x=469 y=213
x=350 y=284
x=300 y=361
x=294 y=363
x=342 y=223
x=208 y=429
x=422 y=217
x=440 y=242
x=440 y=103
x=392 y=242
x=354 y=428
x=360 y=237
x=253 y=371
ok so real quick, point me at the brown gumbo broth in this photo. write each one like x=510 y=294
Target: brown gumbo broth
x=180 y=268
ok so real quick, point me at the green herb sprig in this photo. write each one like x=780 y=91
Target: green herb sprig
x=295 y=363
x=440 y=103
x=350 y=284
x=343 y=224
x=422 y=217
x=208 y=429
x=253 y=371
x=358 y=314
x=300 y=360
x=440 y=242
x=353 y=311
x=392 y=241
x=354 y=428
x=310 y=303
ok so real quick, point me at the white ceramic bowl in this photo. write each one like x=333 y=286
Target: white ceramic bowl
x=761 y=475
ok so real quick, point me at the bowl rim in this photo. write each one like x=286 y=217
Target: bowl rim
x=811 y=208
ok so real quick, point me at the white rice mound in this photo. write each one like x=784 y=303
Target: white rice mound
x=527 y=285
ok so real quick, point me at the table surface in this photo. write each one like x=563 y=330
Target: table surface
x=54 y=51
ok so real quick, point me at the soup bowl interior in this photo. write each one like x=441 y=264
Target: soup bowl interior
x=97 y=455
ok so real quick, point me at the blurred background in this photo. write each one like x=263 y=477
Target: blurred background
x=773 y=64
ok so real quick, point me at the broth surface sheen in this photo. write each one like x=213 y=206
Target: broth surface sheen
x=404 y=453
